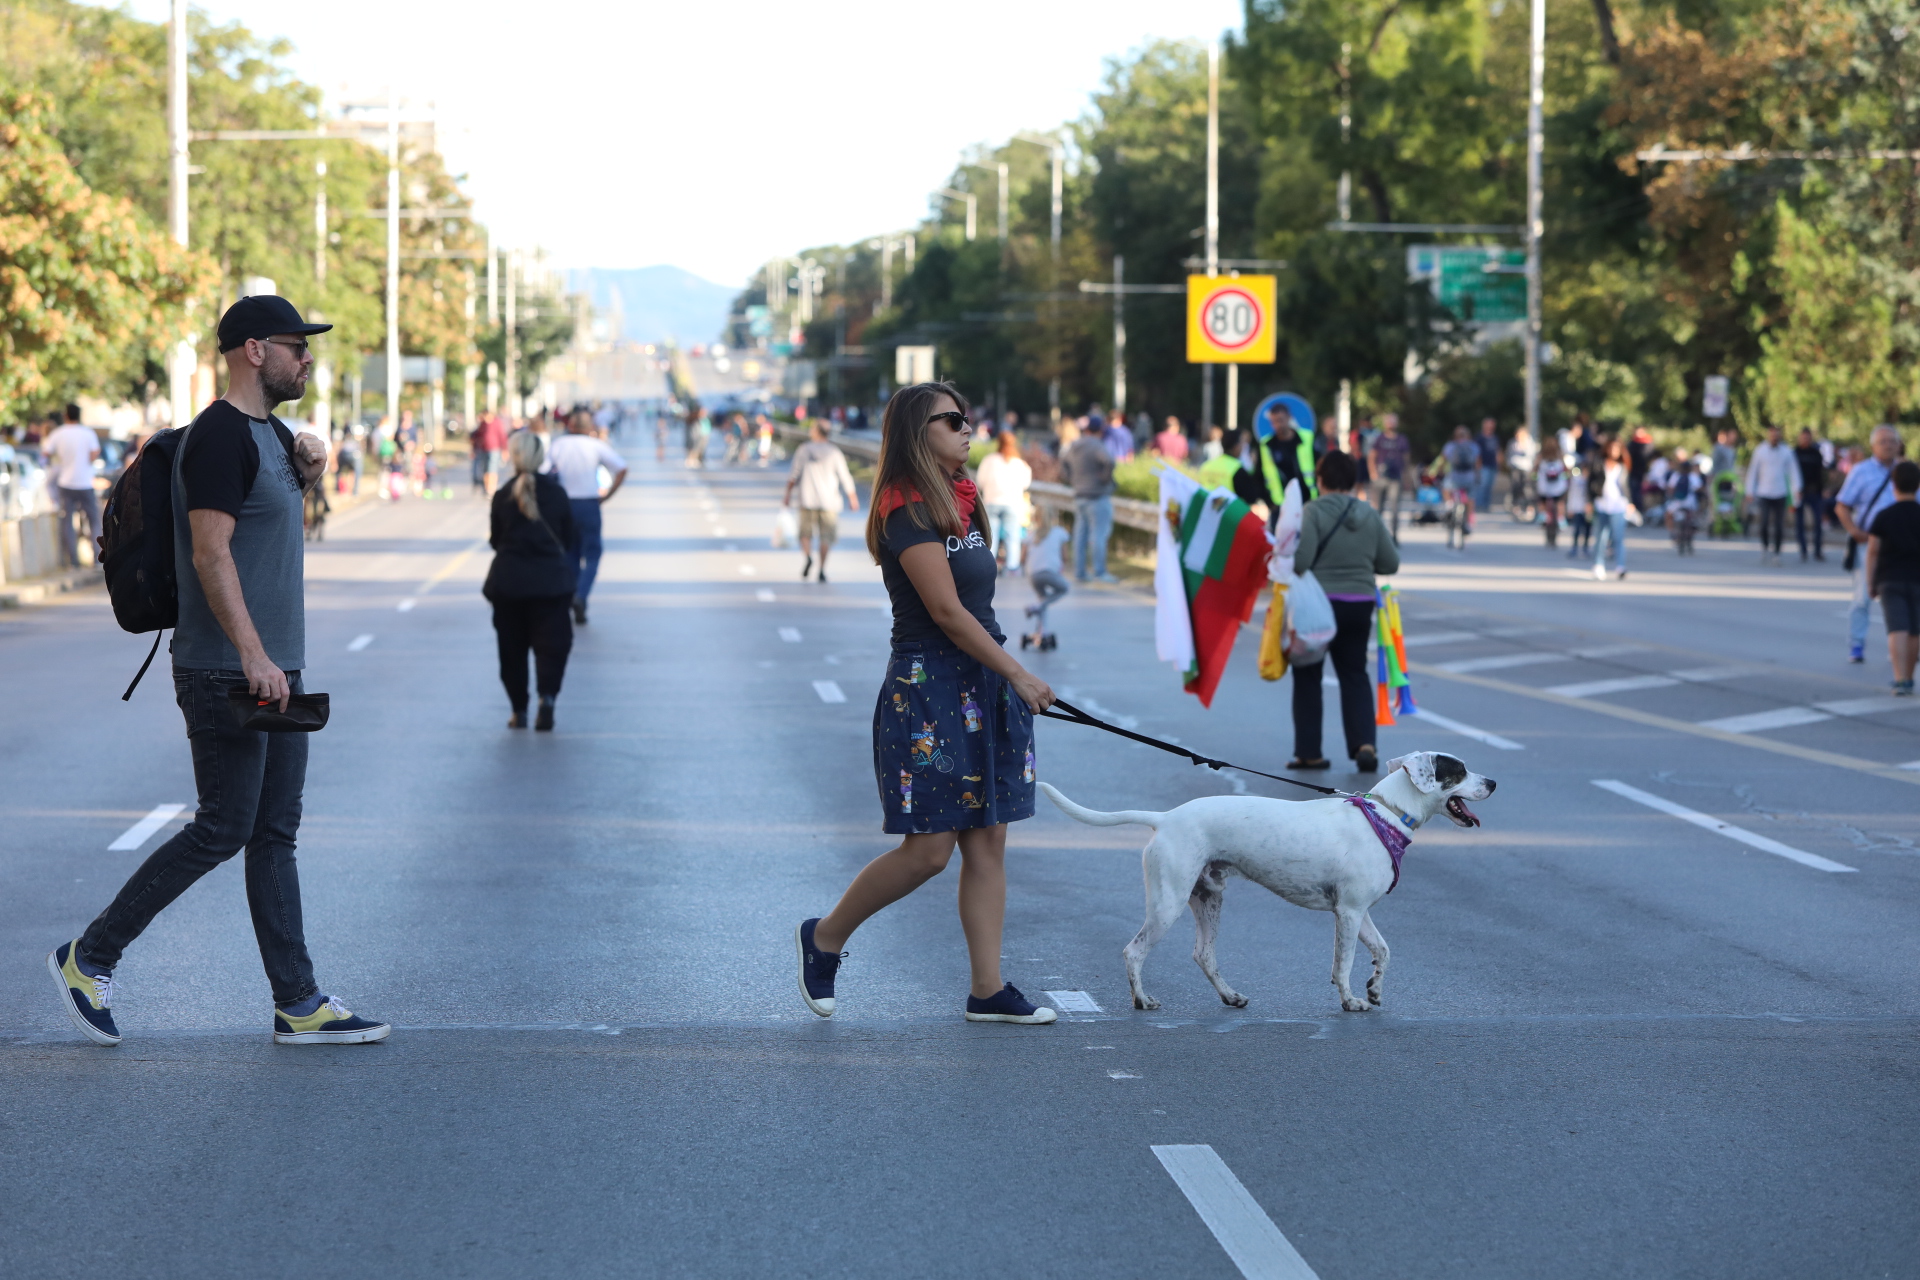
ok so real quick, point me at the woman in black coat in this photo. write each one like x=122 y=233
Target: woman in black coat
x=532 y=579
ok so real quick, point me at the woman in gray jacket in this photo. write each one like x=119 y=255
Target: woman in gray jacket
x=1344 y=544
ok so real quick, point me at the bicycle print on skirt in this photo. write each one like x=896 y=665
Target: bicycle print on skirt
x=952 y=745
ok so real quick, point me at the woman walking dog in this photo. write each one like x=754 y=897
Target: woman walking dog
x=953 y=727
x=532 y=579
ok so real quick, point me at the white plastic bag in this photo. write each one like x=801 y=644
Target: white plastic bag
x=786 y=528
x=1309 y=622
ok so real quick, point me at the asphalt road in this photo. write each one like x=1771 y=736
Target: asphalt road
x=1615 y=1042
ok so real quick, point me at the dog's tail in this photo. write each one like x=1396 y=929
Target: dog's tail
x=1095 y=818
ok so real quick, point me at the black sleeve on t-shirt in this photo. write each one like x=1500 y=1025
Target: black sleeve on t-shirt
x=901 y=532
x=219 y=460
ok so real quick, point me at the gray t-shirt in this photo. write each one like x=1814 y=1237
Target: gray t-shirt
x=242 y=466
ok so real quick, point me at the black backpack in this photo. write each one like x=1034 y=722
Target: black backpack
x=136 y=544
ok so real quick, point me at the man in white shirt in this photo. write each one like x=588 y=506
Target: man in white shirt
x=70 y=452
x=1773 y=483
x=820 y=472
x=576 y=458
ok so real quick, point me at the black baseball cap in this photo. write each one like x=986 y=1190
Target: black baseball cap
x=262 y=315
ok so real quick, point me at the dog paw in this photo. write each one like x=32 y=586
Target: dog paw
x=1145 y=1002
x=1234 y=1000
x=1355 y=1005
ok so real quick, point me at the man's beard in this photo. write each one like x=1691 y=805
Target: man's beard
x=283 y=385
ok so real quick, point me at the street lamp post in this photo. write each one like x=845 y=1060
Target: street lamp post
x=1058 y=155
x=1535 y=222
x=1001 y=170
x=972 y=201
x=180 y=366
x=1213 y=237
x=493 y=320
x=394 y=372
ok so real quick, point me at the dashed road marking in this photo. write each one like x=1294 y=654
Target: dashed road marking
x=1503 y=661
x=748 y=569
x=1073 y=1002
x=790 y=634
x=1624 y=684
x=136 y=835
x=358 y=643
x=1123 y=1075
x=1761 y=721
x=1911 y=764
x=764 y=595
x=829 y=691
x=1468 y=731
x=1705 y=674
x=406 y=606
x=1608 y=650
x=1726 y=829
x=1439 y=637
x=1258 y=1248
x=1866 y=706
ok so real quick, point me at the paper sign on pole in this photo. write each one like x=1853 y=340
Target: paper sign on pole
x=1715 y=397
x=1230 y=319
x=912 y=364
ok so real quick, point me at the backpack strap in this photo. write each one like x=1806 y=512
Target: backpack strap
x=141 y=674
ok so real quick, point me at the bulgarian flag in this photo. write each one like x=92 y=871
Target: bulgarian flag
x=1211 y=566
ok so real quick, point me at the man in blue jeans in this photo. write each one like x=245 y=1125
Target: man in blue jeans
x=575 y=459
x=1867 y=492
x=239 y=482
x=1087 y=467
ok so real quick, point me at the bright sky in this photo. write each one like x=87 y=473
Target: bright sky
x=712 y=137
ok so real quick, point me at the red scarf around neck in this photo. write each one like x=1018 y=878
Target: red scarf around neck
x=965 y=495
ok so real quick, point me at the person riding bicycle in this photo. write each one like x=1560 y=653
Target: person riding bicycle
x=1463 y=462
x=1551 y=479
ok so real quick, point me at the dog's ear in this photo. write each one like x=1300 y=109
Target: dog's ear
x=1419 y=767
x=1449 y=771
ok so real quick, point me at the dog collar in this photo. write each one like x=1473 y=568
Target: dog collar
x=1394 y=841
x=1411 y=823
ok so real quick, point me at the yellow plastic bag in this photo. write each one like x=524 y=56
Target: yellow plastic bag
x=1273 y=654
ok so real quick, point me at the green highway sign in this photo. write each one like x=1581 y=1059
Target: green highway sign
x=1479 y=284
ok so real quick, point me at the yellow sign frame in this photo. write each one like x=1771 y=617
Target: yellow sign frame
x=1258 y=347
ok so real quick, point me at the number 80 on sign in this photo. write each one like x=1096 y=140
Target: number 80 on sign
x=1230 y=319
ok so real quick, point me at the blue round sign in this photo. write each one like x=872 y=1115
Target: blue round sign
x=1304 y=420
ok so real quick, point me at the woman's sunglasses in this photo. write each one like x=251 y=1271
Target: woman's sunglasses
x=954 y=419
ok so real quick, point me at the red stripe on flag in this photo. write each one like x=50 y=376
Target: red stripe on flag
x=1223 y=604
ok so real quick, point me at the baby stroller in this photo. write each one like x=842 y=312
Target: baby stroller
x=1729 y=517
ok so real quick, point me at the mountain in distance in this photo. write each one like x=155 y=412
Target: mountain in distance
x=657 y=304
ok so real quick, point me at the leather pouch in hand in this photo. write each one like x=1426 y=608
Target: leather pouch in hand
x=305 y=713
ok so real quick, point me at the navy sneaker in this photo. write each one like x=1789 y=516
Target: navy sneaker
x=1007 y=1005
x=87 y=999
x=1857 y=653
x=816 y=969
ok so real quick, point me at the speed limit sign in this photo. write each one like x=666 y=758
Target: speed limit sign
x=1230 y=319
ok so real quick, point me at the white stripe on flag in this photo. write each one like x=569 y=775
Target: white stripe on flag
x=1200 y=546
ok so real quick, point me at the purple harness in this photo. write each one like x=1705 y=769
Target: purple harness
x=1391 y=836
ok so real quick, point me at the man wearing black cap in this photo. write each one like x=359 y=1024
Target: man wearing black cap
x=239 y=482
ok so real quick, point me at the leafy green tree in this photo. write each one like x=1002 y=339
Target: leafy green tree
x=86 y=285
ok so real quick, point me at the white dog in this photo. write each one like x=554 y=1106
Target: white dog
x=1326 y=855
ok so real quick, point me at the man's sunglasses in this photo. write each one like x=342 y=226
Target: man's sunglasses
x=954 y=419
x=299 y=348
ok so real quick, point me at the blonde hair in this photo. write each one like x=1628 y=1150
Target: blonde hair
x=526 y=451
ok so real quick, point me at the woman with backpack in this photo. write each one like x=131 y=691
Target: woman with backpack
x=953 y=725
x=532 y=578
x=1343 y=544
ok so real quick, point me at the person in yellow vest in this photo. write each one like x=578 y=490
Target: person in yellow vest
x=1230 y=471
x=1286 y=454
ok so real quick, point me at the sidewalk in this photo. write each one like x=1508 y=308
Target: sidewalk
x=15 y=595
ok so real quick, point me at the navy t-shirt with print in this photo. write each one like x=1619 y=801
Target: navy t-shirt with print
x=1898 y=528
x=974 y=571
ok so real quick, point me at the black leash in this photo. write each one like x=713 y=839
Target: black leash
x=1075 y=715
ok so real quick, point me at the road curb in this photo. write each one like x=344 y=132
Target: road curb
x=39 y=590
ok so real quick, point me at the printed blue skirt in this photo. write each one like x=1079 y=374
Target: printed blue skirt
x=952 y=745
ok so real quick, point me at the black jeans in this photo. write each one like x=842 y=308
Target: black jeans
x=1773 y=524
x=250 y=785
x=1353 y=623
x=542 y=625
x=1809 y=512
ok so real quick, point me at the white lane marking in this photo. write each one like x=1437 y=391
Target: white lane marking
x=1867 y=706
x=1439 y=637
x=1123 y=1075
x=1073 y=1002
x=764 y=595
x=790 y=634
x=1468 y=731
x=748 y=569
x=1726 y=829
x=406 y=606
x=1504 y=660
x=829 y=691
x=358 y=643
x=1911 y=764
x=1608 y=650
x=1518 y=631
x=1257 y=1247
x=1784 y=717
x=719 y=531
x=136 y=835
x=1705 y=674
x=1625 y=684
